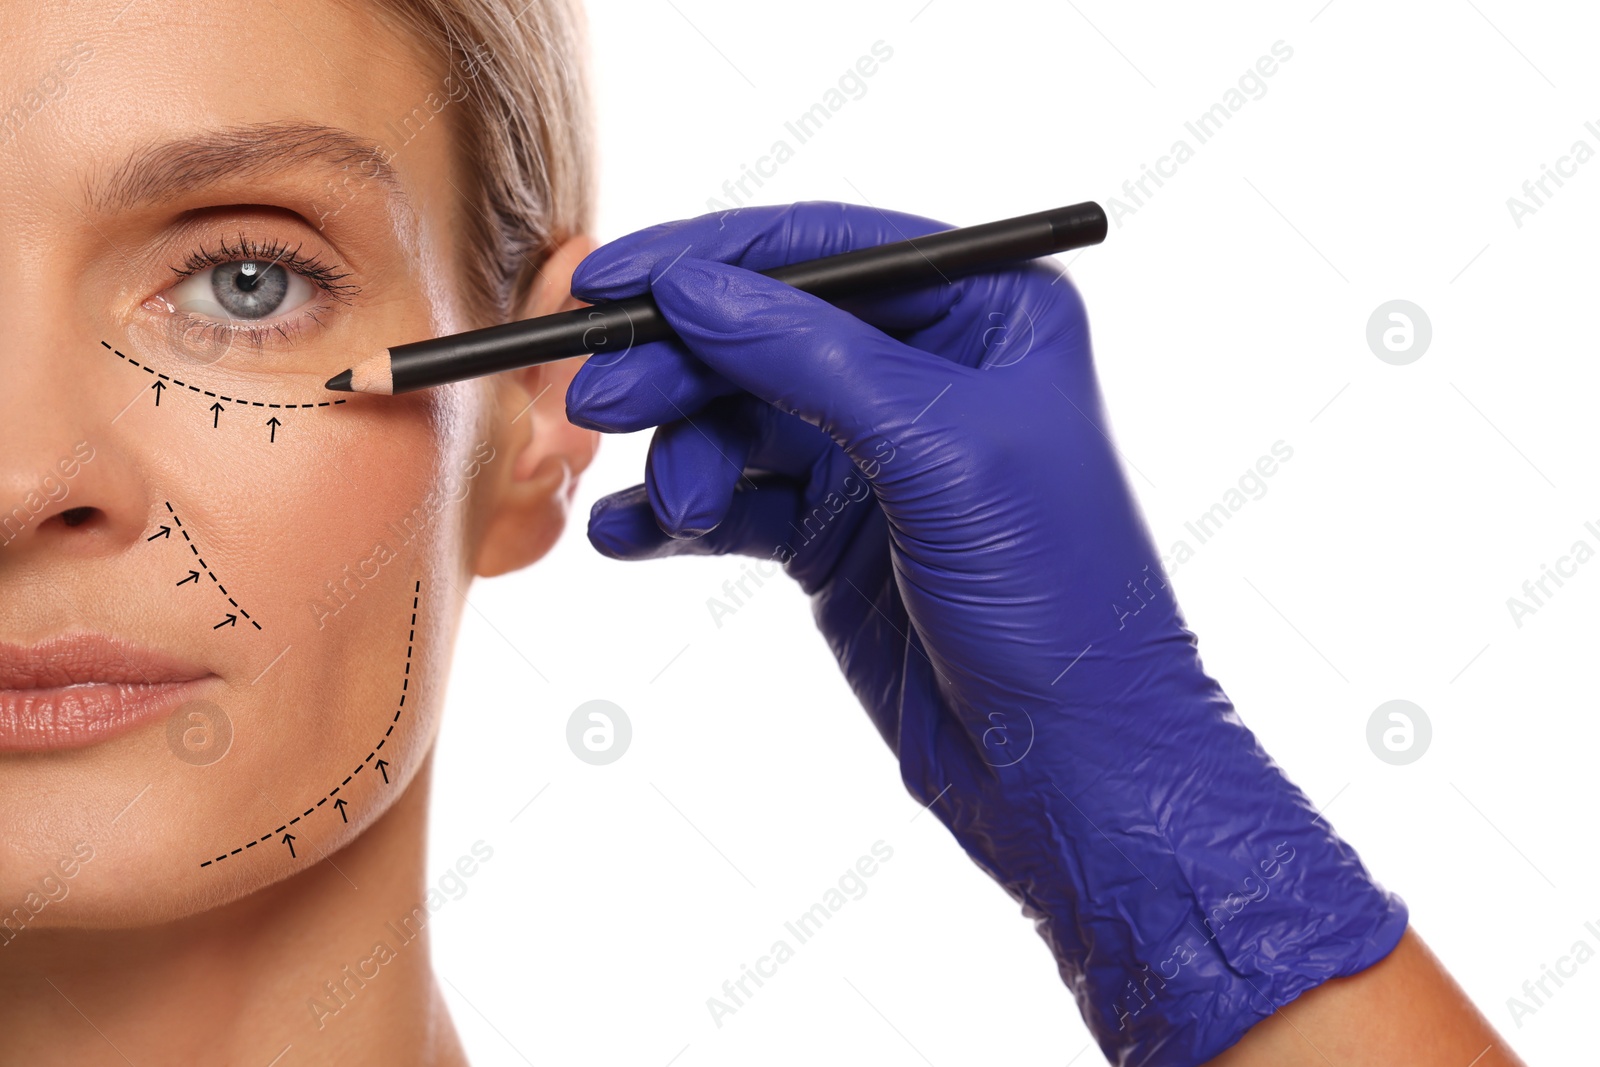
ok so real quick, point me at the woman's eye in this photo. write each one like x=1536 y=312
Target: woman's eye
x=244 y=290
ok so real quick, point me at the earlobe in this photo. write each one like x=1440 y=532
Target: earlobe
x=532 y=493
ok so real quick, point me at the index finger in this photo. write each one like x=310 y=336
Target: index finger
x=755 y=238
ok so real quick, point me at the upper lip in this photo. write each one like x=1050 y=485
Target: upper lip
x=89 y=659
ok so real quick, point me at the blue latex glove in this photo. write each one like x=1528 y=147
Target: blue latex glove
x=936 y=472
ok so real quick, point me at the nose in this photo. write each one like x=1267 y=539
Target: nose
x=40 y=501
x=74 y=475
x=69 y=483
x=63 y=489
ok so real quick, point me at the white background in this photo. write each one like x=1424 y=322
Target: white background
x=1229 y=312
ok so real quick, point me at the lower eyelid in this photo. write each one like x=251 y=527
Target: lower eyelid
x=182 y=345
x=201 y=341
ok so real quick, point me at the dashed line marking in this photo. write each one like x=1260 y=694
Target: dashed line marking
x=405 y=685
x=217 y=396
x=220 y=587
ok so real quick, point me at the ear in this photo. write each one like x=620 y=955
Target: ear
x=529 y=502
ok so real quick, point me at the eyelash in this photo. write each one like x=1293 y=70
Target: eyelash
x=325 y=276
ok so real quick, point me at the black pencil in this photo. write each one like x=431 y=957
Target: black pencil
x=618 y=325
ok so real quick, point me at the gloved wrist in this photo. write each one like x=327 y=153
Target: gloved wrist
x=1188 y=891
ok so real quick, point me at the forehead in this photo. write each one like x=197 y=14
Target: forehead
x=87 y=85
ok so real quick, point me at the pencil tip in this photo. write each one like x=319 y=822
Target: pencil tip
x=340 y=383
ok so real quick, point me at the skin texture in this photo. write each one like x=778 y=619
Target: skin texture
x=143 y=952
x=1404 y=1009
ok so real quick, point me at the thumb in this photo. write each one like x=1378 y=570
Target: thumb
x=799 y=353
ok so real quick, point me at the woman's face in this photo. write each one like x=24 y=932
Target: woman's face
x=227 y=596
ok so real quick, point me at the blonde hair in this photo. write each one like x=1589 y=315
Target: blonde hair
x=523 y=132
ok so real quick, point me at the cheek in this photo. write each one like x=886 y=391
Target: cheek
x=343 y=543
x=359 y=492
x=354 y=548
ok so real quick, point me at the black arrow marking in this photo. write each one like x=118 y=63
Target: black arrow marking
x=158 y=387
x=274 y=423
x=383 y=765
x=288 y=839
x=194 y=576
x=165 y=531
x=216 y=413
x=340 y=805
x=229 y=621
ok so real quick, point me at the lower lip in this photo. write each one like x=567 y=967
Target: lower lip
x=39 y=720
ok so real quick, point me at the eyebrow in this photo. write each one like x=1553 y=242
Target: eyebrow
x=169 y=169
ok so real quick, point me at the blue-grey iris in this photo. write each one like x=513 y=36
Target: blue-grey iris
x=251 y=289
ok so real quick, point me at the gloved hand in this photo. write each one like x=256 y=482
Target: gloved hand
x=935 y=469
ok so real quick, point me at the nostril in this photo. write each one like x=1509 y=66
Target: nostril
x=78 y=516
